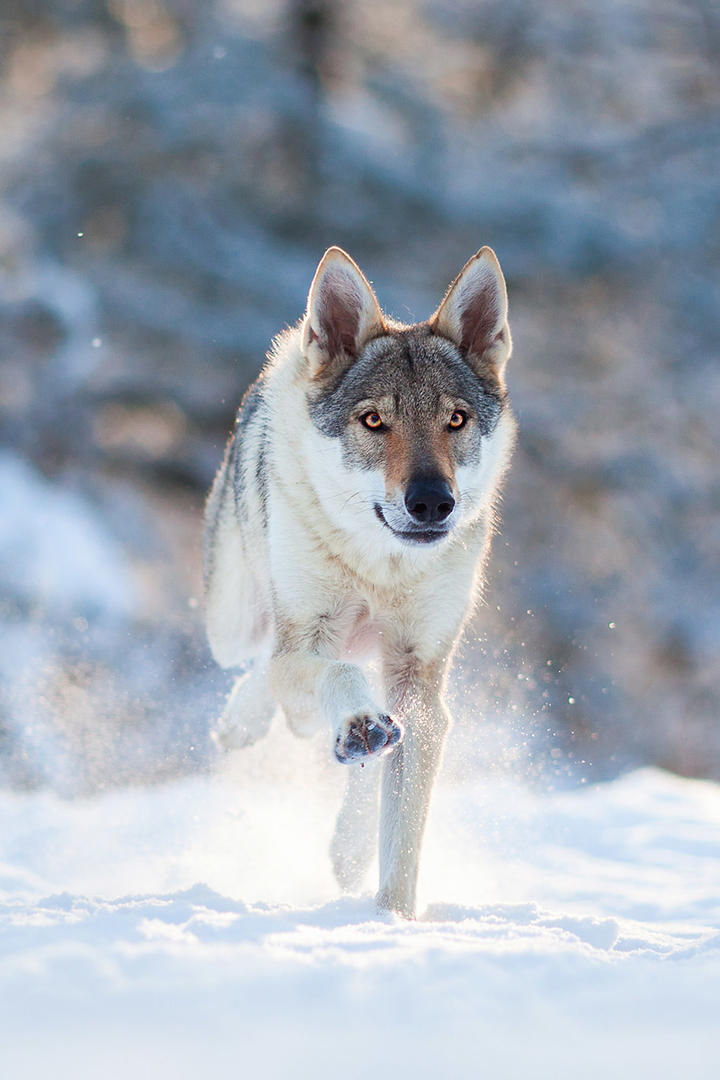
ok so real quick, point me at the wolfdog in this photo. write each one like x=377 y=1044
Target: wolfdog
x=352 y=516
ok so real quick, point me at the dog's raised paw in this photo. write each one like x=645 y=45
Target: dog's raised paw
x=366 y=735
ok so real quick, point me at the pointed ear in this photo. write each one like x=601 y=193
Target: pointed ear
x=342 y=314
x=474 y=314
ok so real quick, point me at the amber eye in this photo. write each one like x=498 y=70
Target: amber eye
x=372 y=420
x=457 y=420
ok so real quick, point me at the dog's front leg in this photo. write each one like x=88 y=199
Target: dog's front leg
x=415 y=693
x=312 y=688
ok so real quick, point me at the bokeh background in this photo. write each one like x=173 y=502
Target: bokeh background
x=170 y=173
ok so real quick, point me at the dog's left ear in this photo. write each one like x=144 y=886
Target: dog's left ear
x=474 y=314
x=342 y=314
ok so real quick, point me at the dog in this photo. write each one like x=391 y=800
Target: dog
x=352 y=515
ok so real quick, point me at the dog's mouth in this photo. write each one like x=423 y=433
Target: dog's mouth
x=412 y=536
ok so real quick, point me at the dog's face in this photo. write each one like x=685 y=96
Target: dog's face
x=408 y=416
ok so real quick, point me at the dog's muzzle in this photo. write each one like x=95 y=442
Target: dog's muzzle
x=413 y=535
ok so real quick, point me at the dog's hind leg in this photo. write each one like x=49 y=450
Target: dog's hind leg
x=355 y=838
x=248 y=711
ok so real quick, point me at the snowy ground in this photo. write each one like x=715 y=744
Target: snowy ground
x=194 y=930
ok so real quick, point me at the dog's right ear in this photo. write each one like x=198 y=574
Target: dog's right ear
x=342 y=314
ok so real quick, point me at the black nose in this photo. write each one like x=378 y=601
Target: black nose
x=429 y=501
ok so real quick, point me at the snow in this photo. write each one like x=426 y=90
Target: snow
x=194 y=929
x=54 y=550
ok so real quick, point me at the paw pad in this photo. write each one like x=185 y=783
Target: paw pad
x=366 y=736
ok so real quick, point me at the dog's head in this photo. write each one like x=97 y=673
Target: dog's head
x=411 y=415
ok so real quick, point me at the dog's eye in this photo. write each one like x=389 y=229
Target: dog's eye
x=457 y=420
x=372 y=420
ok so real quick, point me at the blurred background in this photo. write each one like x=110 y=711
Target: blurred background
x=170 y=173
